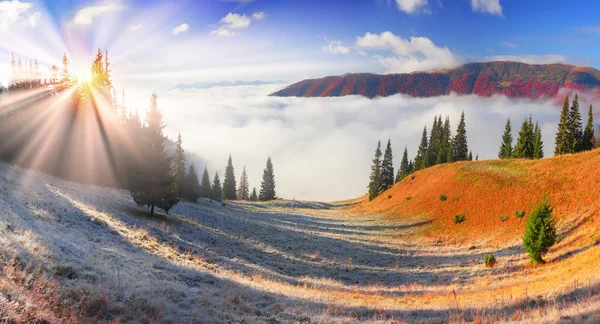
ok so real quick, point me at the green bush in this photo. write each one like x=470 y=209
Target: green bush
x=408 y=198
x=459 y=218
x=504 y=218
x=540 y=233
x=489 y=260
x=412 y=177
x=389 y=196
x=443 y=197
x=519 y=213
x=223 y=204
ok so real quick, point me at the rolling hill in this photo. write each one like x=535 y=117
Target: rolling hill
x=512 y=79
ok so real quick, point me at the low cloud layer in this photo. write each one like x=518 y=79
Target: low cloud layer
x=322 y=147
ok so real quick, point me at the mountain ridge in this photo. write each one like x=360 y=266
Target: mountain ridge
x=512 y=79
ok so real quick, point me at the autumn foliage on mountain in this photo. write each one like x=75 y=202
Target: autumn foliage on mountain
x=512 y=79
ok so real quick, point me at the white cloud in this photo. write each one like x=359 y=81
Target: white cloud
x=407 y=55
x=540 y=59
x=336 y=47
x=85 y=16
x=412 y=6
x=510 y=45
x=181 y=29
x=492 y=7
x=259 y=15
x=14 y=12
x=136 y=27
x=331 y=141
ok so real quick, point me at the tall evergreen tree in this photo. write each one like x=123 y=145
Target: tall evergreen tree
x=445 y=142
x=229 y=185
x=421 y=158
x=243 y=192
x=470 y=155
x=538 y=143
x=387 y=169
x=205 y=188
x=403 y=171
x=375 y=176
x=525 y=143
x=217 y=192
x=254 y=196
x=562 y=141
x=575 y=131
x=192 y=189
x=506 y=150
x=179 y=167
x=151 y=182
x=588 y=133
x=434 y=141
x=459 y=145
x=267 y=186
x=411 y=166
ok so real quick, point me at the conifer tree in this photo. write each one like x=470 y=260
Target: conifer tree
x=434 y=142
x=205 y=188
x=387 y=169
x=477 y=157
x=267 y=186
x=375 y=176
x=588 y=133
x=151 y=182
x=506 y=150
x=538 y=143
x=192 y=190
x=421 y=158
x=254 y=196
x=179 y=167
x=525 y=143
x=403 y=171
x=229 y=184
x=445 y=142
x=217 y=192
x=575 y=131
x=470 y=155
x=411 y=166
x=540 y=233
x=562 y=142
x=243 y=192
x=459 y=145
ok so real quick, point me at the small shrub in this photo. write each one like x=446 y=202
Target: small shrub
x=459 y=218
x=504 y=218
x=223 y=204
x=540 y=234
x=519 y=213
x=408 y=198
x=412 y=177
x=443 y=197
x=389 y=196
x=489 y=260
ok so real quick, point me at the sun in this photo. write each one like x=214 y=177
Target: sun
x=84 y=78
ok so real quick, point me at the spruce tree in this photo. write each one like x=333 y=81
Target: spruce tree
x=192 y=190
x=403 y=171
x=525 y=143
x=540 y=233
x=459 y=145
x=254 y=196
x=267 y=186
x=217 y=192
x=506 y=150
x=375 y=176
x=421 y=158
x=387 y=169
x=434 y=142
x=179 y=167
x=205 y=188
x=538 y=143
x=151 y=182
x=229 y=185
x=588 y=133
x=445 y=142
x=243 y=192
x=575 y=131
x=411 y=166
x=562 y=143
x=470 y=155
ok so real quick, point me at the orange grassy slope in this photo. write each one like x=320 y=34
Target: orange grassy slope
x=486 y=190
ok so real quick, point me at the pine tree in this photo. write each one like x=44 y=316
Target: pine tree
x=403 y=171
x=525 y=143
x=588 y=133
x=434 y=141
x=576 y=133
x=421 y=158
x=459 y=145
x=375 y=177
x=229 y=184
x=254 y=196
x=179 y=167
x=411 y=166
x=506 y=150
x=540 y=233
x=267 y=186
x=205 y=188
x=65 y=77
x=192 y=185
x=445 y=142
x=387 y=169
x=216 y=190
x=151 y=182
x=470 y=155
x=477 y=157
x=538 y=143
x=243 y=188
x=562 y=142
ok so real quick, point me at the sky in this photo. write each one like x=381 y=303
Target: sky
x=202 y=46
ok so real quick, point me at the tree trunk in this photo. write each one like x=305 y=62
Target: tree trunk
x=152 y=210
